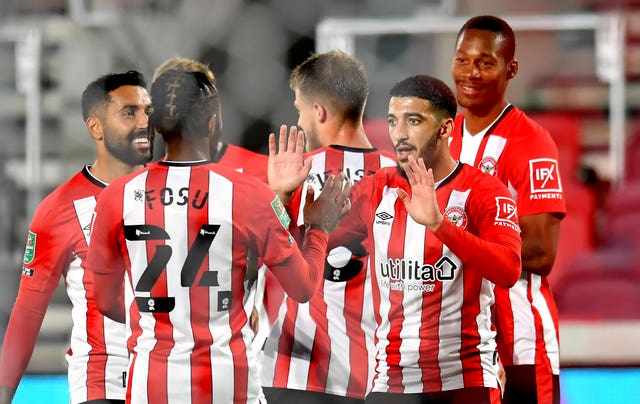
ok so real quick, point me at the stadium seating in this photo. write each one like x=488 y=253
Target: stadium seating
x=601 y=285
x=604 y=283
x=377 y=131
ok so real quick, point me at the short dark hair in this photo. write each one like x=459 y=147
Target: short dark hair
x=496 y=25
x=430 y=89
x=183 y=102
x=96 y=95
x=338 y=77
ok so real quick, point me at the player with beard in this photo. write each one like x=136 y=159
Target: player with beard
x=322 y=351
x=115 y=109
x=179 y=233
x=442 y=234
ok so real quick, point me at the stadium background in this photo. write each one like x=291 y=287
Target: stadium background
x=50 y=49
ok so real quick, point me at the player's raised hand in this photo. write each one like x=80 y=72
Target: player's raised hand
x=422 y=205
x=332 y=204
x=287 y=168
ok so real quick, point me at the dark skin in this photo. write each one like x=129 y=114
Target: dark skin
x=482 y=70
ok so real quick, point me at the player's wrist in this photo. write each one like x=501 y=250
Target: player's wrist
x=317 y=226
x=436 y=225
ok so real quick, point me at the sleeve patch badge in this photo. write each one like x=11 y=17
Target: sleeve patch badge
x=544 y=175
x=281 y=212
x=30 y=248
x=506 y=213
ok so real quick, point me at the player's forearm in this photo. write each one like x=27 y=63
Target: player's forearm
x=300 y=274
x=498 y=262
x=109 y=297
x=539 y=242
x=537 y=260
x=20 y=338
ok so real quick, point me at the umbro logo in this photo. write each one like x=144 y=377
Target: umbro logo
x=384 y=216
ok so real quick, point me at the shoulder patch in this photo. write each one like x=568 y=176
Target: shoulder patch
x=506 y=213
x=281 y=212
x=30 y=248
x=544 y=176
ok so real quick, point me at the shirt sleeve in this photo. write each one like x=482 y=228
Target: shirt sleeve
x=106 y=258
x=47 y=254
x=533 y=174
x=297 y=271
x=494 y=251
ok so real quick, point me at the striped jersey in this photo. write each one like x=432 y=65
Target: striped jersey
x=181 y=231
x=254 y=164
x=57 y=245
x=432 y=307
x=326 y=344
x=522 y=154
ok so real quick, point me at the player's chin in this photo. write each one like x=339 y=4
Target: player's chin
x=144 y=156
x=402 y=166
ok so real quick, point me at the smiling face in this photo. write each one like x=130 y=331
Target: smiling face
x=414 y=129
x=481 y=71
x=125 y=125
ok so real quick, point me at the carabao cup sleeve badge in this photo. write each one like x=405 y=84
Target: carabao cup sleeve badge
x=30 y=248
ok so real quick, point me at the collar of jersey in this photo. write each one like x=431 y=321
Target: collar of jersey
x=183 y=163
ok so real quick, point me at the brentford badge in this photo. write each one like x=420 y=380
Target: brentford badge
x=488 y=165
x=457 y=216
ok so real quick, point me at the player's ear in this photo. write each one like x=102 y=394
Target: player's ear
x=321 y=112
x=94 y=126
x=446 y=128
x=213 y=124
x=512 y=69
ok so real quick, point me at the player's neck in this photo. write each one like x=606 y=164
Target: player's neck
x=349 y=136
x=187 y=149
x=109 y=169
x=444 y=167
x=477 y=120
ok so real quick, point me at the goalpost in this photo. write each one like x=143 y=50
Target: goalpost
x=609 y=31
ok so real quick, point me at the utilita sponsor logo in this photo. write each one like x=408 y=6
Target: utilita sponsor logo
x=413 y=270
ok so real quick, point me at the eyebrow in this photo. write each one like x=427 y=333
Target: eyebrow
x=135 y=107
x=409 y=115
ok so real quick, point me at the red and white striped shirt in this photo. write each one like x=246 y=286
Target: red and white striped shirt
x=433 y=308
x=57 y=245
x=522 y=154
x=182 y=232
x=326 y=344
x=254 y=164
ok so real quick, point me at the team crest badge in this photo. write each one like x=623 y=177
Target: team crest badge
x=281 y=212
x=30 y=248
x=488 y=165
x=457 y=216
